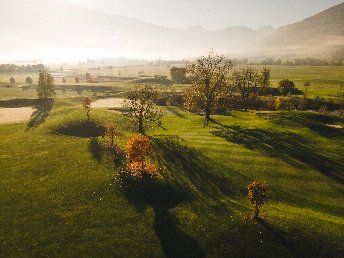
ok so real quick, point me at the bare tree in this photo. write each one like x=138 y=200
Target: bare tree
x=208 y=76
x=86 y=104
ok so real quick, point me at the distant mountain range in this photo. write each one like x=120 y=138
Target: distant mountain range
x=60 y=29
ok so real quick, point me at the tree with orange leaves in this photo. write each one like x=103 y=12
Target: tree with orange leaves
x=257 y=194
x=138 y=150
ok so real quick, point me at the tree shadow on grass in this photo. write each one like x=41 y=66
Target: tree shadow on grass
x=289 y=147
x=189 y=169
x=186 y=176
x=96 y=149
x=174 y=242
x=83 y=128
x=41 y=113
x=318 y=123
x=162 y=197
x=278 y=235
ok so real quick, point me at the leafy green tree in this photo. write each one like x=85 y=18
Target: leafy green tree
x=265 y=79
x=141 y=106
x=29 y=80
x=178 y=74
x=208 y=76
x=247 y=82
x=286 y=86
x=46 y=86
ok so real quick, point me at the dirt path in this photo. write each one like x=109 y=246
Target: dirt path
x=108 y=103
x=15 y=115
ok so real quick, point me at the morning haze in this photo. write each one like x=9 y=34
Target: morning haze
x=177 y=129
x=71 y=31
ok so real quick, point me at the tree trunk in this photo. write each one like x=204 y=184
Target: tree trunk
x=141 y=126
x=256 y=211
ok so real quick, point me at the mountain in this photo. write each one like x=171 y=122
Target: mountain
x=318 y=34
x=59 y=30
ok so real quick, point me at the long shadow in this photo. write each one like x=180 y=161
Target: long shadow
x=174 y=242
x=177 y=112
x=318 y=123
x=281 y=238
x=162 y=197
x=186 y=177
x=96 y=149
x=189 y=169
x=289 y=147
x=43 y=108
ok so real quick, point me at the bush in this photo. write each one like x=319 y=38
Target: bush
x=288 y=87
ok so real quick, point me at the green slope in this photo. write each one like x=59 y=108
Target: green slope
x=60 y=195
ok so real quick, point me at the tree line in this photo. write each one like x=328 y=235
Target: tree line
x=11 y=68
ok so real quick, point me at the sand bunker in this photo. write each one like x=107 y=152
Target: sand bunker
x=108 y=103
x=335 y=126
x=15 y=115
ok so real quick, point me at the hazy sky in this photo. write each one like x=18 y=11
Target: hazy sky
x=213 y=14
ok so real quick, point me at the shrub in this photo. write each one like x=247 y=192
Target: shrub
x=258 y=192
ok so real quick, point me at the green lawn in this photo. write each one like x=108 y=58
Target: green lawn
x=60 y=195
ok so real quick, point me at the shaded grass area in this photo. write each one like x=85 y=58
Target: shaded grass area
x=289 y=147
x=60 y=195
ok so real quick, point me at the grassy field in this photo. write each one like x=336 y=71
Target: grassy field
x=325 y=81
x=60 y=195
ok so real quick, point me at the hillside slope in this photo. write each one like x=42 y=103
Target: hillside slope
x=320 y=33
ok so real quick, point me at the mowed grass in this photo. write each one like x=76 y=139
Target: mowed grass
x=60 y=195
x=325 y=80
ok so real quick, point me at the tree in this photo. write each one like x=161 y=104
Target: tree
x=141 y=106
x=178 y=74
x=77 y=79
x=208 y=76
x=64 y=80
x=46 y=85
x=248 y=83
x=28 y=80
x=12 y=80
x=86 y=103
x=110 y=135
x=138 y=150
x=265 y=80
x=257 y=194
x=286 y=86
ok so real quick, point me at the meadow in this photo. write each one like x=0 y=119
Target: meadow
x=61 y=195
x=325 y=80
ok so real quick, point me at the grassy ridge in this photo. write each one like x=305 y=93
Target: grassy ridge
x=60 y=196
